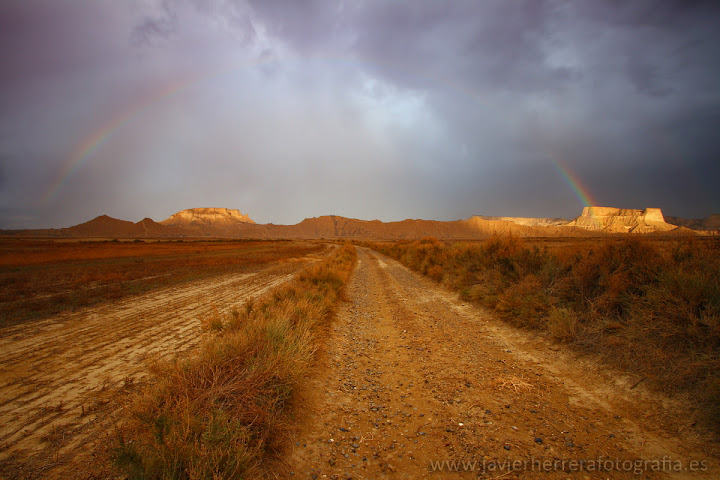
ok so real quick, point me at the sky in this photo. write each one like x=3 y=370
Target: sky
x=366 y=109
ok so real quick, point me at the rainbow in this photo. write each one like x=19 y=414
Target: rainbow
x=85 y=149
x=580 y=190
x=94 y=141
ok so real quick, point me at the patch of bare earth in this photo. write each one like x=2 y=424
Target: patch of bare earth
x=62 y=380
x=413 y=379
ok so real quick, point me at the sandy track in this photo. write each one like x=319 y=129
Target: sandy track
x=413 y=376
x=58 y=377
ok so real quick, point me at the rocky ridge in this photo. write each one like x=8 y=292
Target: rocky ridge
x=207 y=217
x=230 y=223
x=622 y=220
x=527 y=221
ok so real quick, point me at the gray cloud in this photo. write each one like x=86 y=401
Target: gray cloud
x=495 y=44
x=152 y=28
x=373 y=109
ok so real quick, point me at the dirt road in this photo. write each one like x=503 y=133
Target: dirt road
x=59 y=378
x=413 y=379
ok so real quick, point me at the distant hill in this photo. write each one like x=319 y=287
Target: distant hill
x=331 y=226
x=229 y=223
x=709 y=223
x=340 y=227
x=104 y=226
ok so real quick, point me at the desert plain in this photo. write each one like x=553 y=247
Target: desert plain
x=419 y=367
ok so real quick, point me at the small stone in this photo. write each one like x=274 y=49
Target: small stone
x=506 y=447
x=538 y=440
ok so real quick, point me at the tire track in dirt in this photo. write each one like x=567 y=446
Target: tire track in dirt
x=59 y=377
x=412 y=376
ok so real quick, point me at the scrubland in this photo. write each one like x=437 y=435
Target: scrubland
x=41 y=278
x=647 y=306
x=215 y=413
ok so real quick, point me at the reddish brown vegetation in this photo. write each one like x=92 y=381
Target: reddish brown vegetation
x=648 y=306
x=214 y=414
x=41 y=278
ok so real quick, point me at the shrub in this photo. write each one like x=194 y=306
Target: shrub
x=562 y=323
x=214 y=414
x=648 y=306
x=524 y=303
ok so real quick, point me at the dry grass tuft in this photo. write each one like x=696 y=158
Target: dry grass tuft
x=216 y=413
x=516 y=384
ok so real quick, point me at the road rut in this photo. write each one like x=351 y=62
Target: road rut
x=59 y=378
x=414 y=379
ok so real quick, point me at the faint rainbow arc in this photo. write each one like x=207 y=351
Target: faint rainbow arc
x=89 y=145
x=580 y=190
x=92 y=143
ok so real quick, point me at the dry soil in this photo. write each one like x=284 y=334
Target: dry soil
x=63 y=379
x=414 y=379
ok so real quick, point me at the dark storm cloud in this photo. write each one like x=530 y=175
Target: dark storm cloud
x=476 y=44
x=372 y=109
x=649 y=13
x=165 y=21
x=418 y=43
x=35 y=42
x=155 y=27
x=306 y=24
